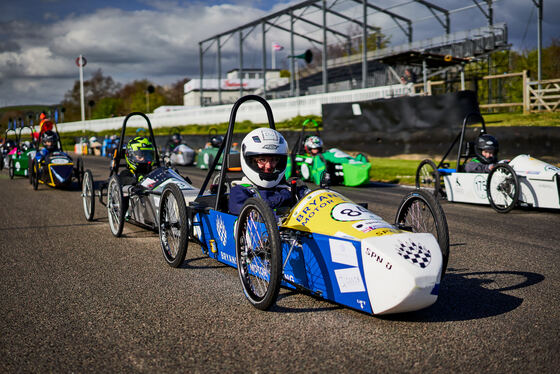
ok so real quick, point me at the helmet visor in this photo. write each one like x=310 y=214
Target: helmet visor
x=141 y=156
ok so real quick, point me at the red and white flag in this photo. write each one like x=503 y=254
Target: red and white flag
x=277 y=47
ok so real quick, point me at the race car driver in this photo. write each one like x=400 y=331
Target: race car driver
x=50 y=144
x=139 y=157
x=175 y=141
x=486 y=149
x=264 y=154
x=313 y=145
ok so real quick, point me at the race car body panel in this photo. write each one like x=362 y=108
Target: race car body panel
x=539 y=182
x=182 y=155
x=342 y=252
x=21 y=162
x=57 y=169
x=403 y=271
x=466 y=187
x=144 y=208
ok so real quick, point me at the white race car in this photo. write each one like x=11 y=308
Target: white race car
x=523 y=181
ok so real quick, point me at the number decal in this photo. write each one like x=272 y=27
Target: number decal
x=352 y=212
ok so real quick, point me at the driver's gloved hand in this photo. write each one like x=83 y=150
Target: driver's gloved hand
x=137 y=189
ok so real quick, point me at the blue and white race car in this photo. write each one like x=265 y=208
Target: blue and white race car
x=325 y=244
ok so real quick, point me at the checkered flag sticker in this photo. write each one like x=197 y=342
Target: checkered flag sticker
x=222 y=232
x=414 y=253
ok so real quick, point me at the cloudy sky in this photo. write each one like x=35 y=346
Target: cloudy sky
x=158 y=39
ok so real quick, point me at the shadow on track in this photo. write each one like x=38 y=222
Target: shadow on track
x=469 y=296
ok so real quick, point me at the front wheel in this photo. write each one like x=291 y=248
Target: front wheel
x=259 y=254
x=11 y=168
x=502 y=188
x=419 y=211
x=88 y=195
x=427 y=177
x=79 y=171
x=115 y=205
x=173 y=225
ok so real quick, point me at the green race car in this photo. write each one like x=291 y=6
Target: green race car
x=205 y=157
x=20 y=161
x=308 y=162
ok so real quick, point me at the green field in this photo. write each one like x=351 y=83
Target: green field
x=398 y=170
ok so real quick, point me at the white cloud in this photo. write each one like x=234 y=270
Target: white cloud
x=160 y=43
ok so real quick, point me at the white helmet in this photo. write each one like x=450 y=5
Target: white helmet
x=313 y=142
x=264 y=141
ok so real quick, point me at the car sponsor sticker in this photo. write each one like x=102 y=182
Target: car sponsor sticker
x=59 y=161
x=479 y=185
x=370 y=225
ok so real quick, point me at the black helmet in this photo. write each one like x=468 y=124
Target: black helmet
x=217 y=141
x=10 y=144
x=487 y=142
x=176 y=138
x=51 y=138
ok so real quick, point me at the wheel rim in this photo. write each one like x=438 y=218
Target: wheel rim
x=170 y=226
x=87 y=196
x=255 y=255
x=419 y=217
x=113 y=206
x=502 y=188
x=427 y=177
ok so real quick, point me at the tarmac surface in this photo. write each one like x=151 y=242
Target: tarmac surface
x=73 y=298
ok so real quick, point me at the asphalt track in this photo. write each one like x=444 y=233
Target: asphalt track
x=75 y=299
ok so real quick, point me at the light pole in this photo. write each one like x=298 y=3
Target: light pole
x=81 y=62
x=149 y=90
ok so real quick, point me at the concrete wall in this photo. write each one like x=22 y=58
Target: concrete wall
x=283 y=109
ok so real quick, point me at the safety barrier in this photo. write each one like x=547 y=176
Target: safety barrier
x=283 y=109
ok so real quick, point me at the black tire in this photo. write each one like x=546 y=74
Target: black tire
x=210 y=162
x=11 y=168
x=502 y=188
x=88 y=195
x=173 y=225
x=421 y=212
x=257 y=216
x=35 y=175
x=29 y=168
x=427 y=177
x=115 y=205
x=79 y=170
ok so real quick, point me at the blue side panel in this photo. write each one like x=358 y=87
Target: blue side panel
x=341 y=279
x=447 y=171
x=219 y=228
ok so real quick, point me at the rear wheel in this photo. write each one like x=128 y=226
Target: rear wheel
x=35 y=174
x=88 y=195
x=419 y=211
x=29 y=168
x=115 y=205
x=258 y=253
x=427 y=177
x=502 y=188
x=11 y=168
x=173 y=225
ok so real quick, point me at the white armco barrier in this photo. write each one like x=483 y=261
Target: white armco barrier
x=282 y=109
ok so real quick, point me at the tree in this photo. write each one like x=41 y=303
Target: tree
x=96 y=88
x=174 y=94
